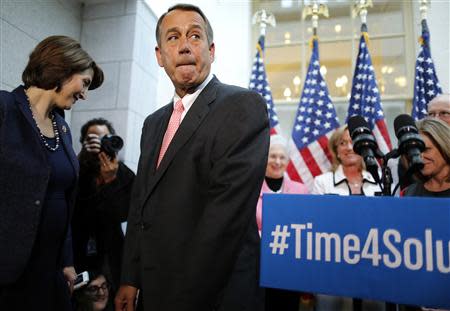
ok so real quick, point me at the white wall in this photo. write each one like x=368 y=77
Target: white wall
x=231 y=23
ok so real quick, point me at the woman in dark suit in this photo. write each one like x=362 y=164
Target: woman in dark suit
x=38 y=172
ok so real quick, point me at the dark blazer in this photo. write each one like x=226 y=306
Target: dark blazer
x=24 y=174
x=99 y=213
x=192 y=241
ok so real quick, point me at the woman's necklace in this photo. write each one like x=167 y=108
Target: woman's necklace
x=54 y=125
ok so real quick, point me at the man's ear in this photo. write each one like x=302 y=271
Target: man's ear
x=212 y=50
x=158 y=56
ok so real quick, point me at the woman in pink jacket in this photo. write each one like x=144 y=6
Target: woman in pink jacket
x=277 y=181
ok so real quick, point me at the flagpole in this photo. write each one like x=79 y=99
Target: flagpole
x=263 y=18
x=360 y=8
x=423 y=9
x=314 y=10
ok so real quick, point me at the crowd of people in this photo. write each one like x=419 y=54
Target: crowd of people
x=181 y=233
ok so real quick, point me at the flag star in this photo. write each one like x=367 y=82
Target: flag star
x=322 y=83
x=321 y=93
x=318 y=112
x=375 y=90
x=252 y=85
x=430 y=82
x=304 y=100
x=275 y=118
x=380 y=113
x=315 y=72
x=429 y=60
x=298 y=127
x=366 y=109
x=307 y=129
x=430 y=92
x=302 y=109
x=316 y=63
x=315 y=132
x=358 y=86
x=320 y=102
x=259 y=87
x=357 y=96
x=311 y=100
x=300 y=118
x=317 y=122
x=430 y=71
x=304 y=140
x=309 y=110
x=355 y=106
x=327 y=125
x=308 y=120
x=420 y=59
x=328 y=115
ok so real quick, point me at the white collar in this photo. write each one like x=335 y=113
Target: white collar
x=340 y=177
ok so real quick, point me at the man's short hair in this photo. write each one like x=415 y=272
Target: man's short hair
x=185 y=7
x=96 y=121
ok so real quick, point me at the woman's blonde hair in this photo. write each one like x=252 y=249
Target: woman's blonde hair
x=439 y=133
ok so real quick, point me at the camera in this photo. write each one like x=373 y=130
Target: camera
x=111 y=145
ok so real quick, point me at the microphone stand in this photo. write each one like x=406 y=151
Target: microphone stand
x=386 y=183
x=386 y=174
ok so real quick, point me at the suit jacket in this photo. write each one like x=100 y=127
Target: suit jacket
x=192 y=241
x=24 y=175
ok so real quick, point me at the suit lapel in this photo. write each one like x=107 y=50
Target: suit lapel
x=190 y=123
x=22 y=99
x=161 y=130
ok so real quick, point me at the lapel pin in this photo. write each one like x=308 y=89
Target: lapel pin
x=64 y=128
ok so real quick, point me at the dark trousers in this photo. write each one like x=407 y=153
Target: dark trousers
x=281 y=300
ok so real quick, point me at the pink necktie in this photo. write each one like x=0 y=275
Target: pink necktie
x=172 y=127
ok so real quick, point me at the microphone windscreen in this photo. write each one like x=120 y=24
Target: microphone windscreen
x=356 y=122
x=403 y=121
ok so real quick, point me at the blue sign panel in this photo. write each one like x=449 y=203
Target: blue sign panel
x=382 y=248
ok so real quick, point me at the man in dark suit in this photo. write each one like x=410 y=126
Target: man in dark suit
x=192 y=241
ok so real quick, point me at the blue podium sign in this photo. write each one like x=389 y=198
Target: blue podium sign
x=382 y=248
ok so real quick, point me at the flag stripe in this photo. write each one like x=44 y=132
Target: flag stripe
x=365 y=98
x=260 y=84
x=315 y=121
x=426 y=83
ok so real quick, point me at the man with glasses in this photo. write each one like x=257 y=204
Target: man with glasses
x=439 y=107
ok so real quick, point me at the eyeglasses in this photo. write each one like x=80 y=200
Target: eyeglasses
x=93 y=289
x=439 y=114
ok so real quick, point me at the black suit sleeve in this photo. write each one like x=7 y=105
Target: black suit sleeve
x=239 y=159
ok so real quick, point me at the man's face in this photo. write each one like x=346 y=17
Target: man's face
x=184 y=51
x=440 y=108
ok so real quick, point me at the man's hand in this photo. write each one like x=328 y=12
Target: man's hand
x=108 y=168
x=70 y=275
x=125 y=298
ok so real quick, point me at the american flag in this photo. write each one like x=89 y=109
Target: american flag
x=365 y=99
x=315 y=121
x=259 y=83
x=426 y=84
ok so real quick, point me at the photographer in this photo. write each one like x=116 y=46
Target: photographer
x=103 y=199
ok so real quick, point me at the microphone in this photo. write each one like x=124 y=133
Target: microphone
x=409 y=141
x=364 y=144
